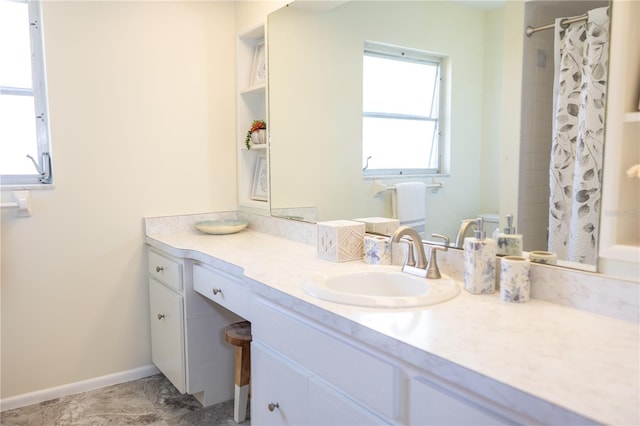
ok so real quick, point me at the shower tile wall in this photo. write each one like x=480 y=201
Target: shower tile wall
x=535 y=149
x=537 y=116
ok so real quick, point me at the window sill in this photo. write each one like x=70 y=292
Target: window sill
x=27 y=187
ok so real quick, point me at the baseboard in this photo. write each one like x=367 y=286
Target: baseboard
x=77 y=387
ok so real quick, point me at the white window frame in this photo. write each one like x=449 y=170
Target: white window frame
x=42 y=165
x=413 y=55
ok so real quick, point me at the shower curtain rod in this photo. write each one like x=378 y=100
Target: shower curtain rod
x=530 y=30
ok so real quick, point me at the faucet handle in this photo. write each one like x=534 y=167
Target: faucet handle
x=446 y=242
x=410 y=259
x=433 y=271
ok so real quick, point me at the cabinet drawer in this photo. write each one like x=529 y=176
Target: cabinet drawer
x=222 y=288
x=275 y=381
x=327 y=407
x=358 y=373
x=166 y=270
x=433 y=404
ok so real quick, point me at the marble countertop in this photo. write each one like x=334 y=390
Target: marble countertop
x=585 y=363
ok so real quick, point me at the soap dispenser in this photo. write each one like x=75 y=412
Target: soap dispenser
x=479 y=262
x=509 y=243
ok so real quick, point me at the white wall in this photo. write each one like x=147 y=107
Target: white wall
x=250 y=14
x=511 y=102
x=142 y=122
x=492 y=110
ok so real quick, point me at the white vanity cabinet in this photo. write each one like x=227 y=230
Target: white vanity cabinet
x=431 y=403
x=320 y=363
x=306 y=374
x=315 y=377
x=286 y=394
x=187 y=341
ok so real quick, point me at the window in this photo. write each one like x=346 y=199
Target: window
x=25 y=154
x=401 y=111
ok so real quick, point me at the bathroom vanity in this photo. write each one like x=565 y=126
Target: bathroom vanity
x=186 y=331
x=472 y=359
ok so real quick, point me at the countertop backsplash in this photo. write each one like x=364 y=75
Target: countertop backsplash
x=588 y=291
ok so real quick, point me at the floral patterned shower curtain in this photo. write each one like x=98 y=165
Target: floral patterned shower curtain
x=581 y=58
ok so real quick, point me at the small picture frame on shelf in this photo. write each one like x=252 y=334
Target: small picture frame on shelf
x=260 y=189
x=259 y=68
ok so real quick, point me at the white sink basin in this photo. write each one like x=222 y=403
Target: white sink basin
x=382 y=287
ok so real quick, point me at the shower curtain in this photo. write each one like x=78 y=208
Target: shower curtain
x=581 y=57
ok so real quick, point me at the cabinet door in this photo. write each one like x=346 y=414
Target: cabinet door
x=167 y=333
x=366 y=377
x=431 y=404
x=328 y=407
x=278 y=389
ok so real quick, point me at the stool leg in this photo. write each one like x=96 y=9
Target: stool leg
x=243 y=374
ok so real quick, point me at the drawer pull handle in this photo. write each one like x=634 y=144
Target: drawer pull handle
x=273 y=405
x=216 y=291
x=159 y=268
x=160 y=316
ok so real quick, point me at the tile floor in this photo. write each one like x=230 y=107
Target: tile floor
x=149 y=401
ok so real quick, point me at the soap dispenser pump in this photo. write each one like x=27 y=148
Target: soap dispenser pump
x=509 y=243
x=479 y=262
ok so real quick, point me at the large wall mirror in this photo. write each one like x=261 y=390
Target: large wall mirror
x=315 y=109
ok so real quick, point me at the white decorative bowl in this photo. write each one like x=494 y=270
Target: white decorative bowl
x=220 y=227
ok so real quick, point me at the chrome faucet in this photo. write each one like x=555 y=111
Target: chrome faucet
x=464 y=228
x=417 y=242
x=421 y=267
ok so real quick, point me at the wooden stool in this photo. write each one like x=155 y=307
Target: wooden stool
x=239 y=335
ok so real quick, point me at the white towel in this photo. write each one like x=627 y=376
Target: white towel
x=411 y=204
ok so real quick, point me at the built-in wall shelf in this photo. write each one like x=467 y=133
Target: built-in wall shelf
x=256 y=204
x=619 y=245
x=259 y=147
x=255 y=32
x=632 y=117
x=258 y=89
x=251 y=105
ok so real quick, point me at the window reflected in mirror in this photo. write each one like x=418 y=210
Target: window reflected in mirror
x=401 y=111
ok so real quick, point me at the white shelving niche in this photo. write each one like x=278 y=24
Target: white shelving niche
x=251 y=105
x=619 y=251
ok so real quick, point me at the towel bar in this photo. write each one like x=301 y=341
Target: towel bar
x=379 y=187
x=22 y=203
